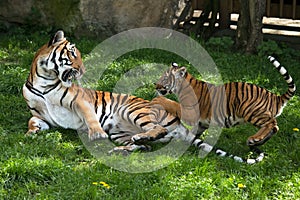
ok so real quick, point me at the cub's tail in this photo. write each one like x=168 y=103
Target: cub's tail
x=292 y=87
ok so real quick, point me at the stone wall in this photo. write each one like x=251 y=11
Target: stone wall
x=101 y=18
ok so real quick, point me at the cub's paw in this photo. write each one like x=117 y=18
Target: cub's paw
x=255 y=141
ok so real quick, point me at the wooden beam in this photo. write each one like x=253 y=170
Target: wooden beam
x=268 y=7
x=231 y=6
x=224 y=14
x=294 y=9
x=281 y=8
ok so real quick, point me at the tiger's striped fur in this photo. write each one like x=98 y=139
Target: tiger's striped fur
x=129 y=121
x=203 y=104
x=54 y=101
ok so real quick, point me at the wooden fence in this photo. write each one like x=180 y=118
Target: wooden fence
x=288 y=9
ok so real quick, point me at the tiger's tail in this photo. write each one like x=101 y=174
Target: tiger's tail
x=187 y=135
x=208 y=148
x=292 y=87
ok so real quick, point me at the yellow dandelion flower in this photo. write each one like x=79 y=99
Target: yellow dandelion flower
x=104 y=184
x=296 y=129
x=241 y=186
x=95 y=183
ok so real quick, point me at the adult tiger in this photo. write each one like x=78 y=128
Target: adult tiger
x=203 y=104
x=55 y=101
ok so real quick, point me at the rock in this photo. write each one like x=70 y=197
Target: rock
x=90 y=17
x=15 y=11
x=106 y=18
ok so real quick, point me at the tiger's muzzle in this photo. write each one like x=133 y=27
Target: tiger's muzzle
x=71 y=74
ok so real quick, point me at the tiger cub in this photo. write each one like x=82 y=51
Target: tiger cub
x=203 y=104
x=54 y=101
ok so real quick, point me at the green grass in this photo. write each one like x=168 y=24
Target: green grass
x=55 y=164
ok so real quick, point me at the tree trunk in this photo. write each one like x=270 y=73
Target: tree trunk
x=243 y=25
x=210 y=6
x=249 y=31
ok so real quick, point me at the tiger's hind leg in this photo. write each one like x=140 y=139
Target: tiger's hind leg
x=36 y=124
x=154 y=134
x=126 y=146
x=267 y=130
x=126 y=150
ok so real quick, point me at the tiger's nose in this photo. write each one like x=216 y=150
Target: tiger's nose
x=163 y=92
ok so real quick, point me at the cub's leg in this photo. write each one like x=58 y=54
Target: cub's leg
x=160 y=109
x=87 y=113
x=168 y=105
x=36 y=124
x=268 y=129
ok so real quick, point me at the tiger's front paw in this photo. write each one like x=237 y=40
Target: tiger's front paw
x=31 y=132
x=97 y=134
x=35 y=125
x=141 y=138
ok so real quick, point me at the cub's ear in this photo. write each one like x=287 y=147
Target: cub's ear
x=181 y=72
x=175 y=65
x=57 y=38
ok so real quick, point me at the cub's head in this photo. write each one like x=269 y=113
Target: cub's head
x=171 y=80
x=59 y=59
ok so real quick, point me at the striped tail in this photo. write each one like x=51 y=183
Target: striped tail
x=188 y=136
x=292 y=87
x=208 y=148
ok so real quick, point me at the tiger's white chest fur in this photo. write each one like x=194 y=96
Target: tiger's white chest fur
x=62 y=117
x=51 y=112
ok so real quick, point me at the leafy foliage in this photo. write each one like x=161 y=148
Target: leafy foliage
x=219 y=43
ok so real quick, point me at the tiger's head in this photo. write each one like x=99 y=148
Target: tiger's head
x=59 y=59
x=171 y=80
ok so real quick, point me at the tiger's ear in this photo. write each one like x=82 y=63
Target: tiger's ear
x=57 y=38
